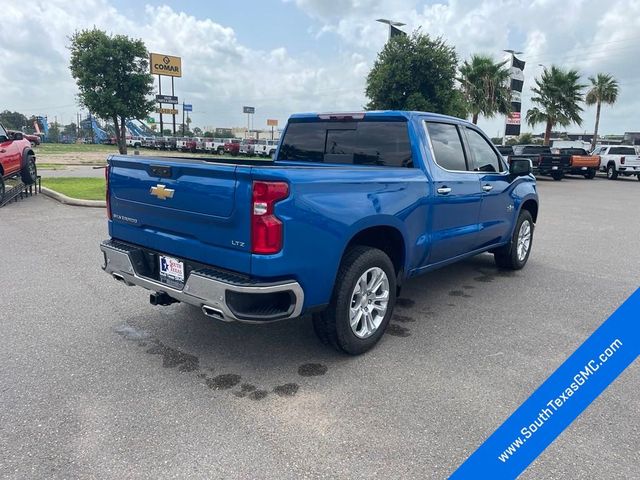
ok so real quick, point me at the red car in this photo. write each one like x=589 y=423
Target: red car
x=16 y=158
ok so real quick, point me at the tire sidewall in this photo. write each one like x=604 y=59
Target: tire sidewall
x=347 y=339
x=2 y=189
x=516 y=262
x=611 y=172
x=27 y=177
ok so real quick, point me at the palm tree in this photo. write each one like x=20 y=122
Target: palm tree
x=604 y=89
x=485 y=86
x=558 y=94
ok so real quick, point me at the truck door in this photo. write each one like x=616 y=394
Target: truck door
x=497 y=209
x=457 y=195
x=10 y=153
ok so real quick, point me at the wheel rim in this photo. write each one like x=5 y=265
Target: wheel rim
x=369 y=301
x=610 y=172
x=524 y=240
x=32 y=170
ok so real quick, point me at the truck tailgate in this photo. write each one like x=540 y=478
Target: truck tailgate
x=590 y=161
x=182 y=207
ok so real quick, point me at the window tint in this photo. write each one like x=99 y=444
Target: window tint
x=358 y=143
x=622 y=151
x=485 y=159
x=3 y=134
x=531 y=149
x=447 y=147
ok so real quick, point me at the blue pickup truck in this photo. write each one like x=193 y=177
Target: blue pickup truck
x=351 y=206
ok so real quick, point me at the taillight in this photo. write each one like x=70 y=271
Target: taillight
x=266 y=228
x=622 y=160
x=108 y=191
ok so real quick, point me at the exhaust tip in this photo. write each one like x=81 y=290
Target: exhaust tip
x=118 y=277
x=213 y=312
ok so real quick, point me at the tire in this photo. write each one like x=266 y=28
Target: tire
x=511 y=256
x=638 y=176
x=333 y=325
x=590 y=175
x=2 y=188
x=557 y=176
x=29 y=173
x=220 y=150
x=612 y=173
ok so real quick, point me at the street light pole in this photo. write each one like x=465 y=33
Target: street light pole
x=391 y=24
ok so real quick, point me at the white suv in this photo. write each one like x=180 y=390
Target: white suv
x=618 y=160
x=266 y=148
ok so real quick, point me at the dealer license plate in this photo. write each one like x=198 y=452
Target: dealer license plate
x=171 y=270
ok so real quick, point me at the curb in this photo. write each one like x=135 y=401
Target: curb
x=72 y=201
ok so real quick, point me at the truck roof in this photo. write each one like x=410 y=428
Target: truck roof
x=379 y=114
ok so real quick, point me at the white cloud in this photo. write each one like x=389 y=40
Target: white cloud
x=589 y=35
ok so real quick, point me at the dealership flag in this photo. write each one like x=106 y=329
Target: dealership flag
x=512 y=127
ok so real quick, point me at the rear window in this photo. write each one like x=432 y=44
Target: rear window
x=357 y=143
x=572 y=151
x=530 y=149
x=622 y=151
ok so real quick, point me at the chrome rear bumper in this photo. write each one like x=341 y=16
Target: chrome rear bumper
x=220 y=298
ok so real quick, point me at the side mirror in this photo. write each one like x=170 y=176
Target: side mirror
x=17 y=136
x=520 y=167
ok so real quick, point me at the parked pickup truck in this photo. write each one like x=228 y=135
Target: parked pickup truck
x=352 y=207
x=215 y=145
x=543 y=160
x=580 y=161
x=16 y=159
x=618 y=160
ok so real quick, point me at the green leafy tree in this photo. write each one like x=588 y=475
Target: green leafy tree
x=70 y=130
x=485 y=86
x=13 y=120
x=604 y=89
x=415 y=72
x=525 y=137
x=197 y=131
x=558 y=94
x=208 y=134
x=54 y=132
x=112 y=74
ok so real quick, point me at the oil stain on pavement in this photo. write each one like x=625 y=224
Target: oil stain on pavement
x=185 y=362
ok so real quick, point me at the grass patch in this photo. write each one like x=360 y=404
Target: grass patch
x=53 y=148
x=77 y=187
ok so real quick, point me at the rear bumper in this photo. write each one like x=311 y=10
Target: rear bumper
x=219 y=294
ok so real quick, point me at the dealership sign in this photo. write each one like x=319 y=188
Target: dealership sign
x=167 y=111
x=165 y=65
x=187 y=107
x=271 y=122
x=167 y=99
x=248 y=109
x=513 y=118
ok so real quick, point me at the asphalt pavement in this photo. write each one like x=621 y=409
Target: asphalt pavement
x=97 y=383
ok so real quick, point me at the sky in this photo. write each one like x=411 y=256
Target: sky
x=286 y=56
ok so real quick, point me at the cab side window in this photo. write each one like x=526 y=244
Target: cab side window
x=3 y=134
x=485 y=158
x=446 y=145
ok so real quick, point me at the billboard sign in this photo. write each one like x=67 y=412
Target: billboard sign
x=248 y=109
x=165 y=65
x=272 y=122
x=187 y=107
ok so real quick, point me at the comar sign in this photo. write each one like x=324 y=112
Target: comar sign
x=166 y=65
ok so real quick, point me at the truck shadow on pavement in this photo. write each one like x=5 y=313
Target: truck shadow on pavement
x=278 y=359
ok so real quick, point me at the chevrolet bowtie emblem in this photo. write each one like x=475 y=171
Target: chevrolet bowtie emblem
x=161 y=192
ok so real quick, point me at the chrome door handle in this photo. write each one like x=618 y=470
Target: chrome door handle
x=487 y=188
x=444 y=190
